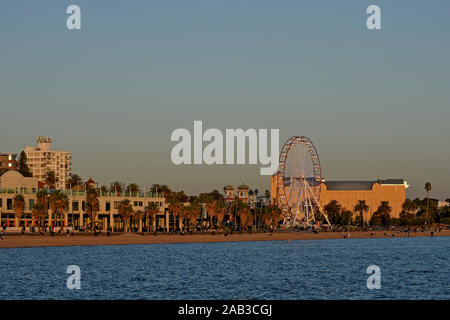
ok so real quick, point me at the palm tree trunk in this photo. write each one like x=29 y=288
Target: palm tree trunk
x=428 y=206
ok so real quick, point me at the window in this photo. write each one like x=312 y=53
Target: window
x=135 y=204
x=1 y=203
x=75 y=206
x=83 y=205
x=116 y=204
x=31 y=204
x=140 y=203
x=8 y=204
x=108 y=206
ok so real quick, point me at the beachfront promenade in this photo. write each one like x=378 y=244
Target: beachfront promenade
x=83 y=239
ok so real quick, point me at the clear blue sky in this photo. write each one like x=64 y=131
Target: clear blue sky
x=375 y=103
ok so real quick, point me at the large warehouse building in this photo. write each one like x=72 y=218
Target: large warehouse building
x=347 y=193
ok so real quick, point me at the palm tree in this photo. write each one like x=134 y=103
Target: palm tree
x=333 y=210
x=176 y=207
x=103 y=189
x=161 y=188
x=19 y=207
x=116 y=187
x=92 y=204
x=272 y=215
x=428 y=189
x=211 y=209
x=126 y=211
x=42 y=199
x=384 y=210
x=51 y=179
x=409 y=206
x=192 y=212
x=59 y=202
x=220 y=213
x=138 y=216
x=346 y=217
x=39 y=212
x=244 y=214
x=246 y=217
x=73 y=181
x=42 y=196
x=361 y=207
x=151 y=211
x=133 y=187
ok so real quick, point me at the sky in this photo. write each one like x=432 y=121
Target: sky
x=376 y=103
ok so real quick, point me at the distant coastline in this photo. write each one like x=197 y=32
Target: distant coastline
x=19 y=241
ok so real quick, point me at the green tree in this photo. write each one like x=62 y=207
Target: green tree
x=23 y=166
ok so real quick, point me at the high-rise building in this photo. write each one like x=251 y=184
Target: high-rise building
x=41 y=160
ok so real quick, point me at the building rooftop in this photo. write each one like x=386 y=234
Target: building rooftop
x=228 y=187
x=361 y=185
x=243 y=186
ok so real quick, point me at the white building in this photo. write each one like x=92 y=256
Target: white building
x=41 y=160
x=13 y=183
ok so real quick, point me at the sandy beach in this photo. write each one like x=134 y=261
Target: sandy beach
x=18 y=241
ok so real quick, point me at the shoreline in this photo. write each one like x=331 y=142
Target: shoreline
x=28 y=241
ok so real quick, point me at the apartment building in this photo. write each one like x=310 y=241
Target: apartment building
x=41 y=159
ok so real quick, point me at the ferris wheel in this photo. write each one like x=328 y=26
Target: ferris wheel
x=299 y=182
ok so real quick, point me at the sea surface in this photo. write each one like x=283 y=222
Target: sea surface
x=410 y=268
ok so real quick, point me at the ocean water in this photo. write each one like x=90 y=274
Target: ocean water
x=411 y=268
